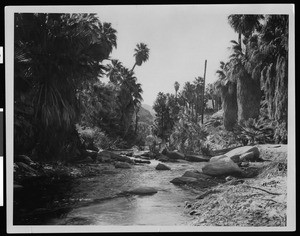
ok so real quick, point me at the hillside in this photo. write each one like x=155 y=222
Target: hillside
x=149 y=108
x=145 y=116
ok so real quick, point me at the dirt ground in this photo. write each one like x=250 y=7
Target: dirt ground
x=258 y=201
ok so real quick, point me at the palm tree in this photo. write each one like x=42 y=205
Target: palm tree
x=176 y=86
x=55 y=56
x=228 y=94
x=248 y=88
x=141 y=54
x=270 y=60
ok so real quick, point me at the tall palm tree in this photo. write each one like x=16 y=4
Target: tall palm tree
x=176 y=86
x=248 y=88
x=55 y=55
x=227 y=88
x=141 y=54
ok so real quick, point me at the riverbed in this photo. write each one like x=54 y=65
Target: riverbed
x=98 y=200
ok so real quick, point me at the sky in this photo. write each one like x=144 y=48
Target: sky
x=180 y=39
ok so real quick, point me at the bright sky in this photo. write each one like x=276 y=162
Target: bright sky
x=180 y=38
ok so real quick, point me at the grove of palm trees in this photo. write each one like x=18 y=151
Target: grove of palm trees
x=88 y=152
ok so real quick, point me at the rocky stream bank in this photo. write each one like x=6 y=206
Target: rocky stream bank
x=245 y=186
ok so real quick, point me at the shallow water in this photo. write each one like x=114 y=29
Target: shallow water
x=99 y=202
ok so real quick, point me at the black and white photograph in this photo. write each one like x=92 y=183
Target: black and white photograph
x=150 y=118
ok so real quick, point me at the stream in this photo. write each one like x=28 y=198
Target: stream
x=97 y=199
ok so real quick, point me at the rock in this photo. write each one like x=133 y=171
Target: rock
x=221 y=167
x=196 y=158
x=196 y=175
x=142 y=161
x=217 y=158
x=163 y=158
x=161 y=166
x=91 y=153
x=174 y=155
x=244 y=164
x=148 y=154
x=249 y=156
x=27 y=169
x=115 y=157
x=183 y=180
x=122 y=165
x=24 y=159
x=242 y=150
x=143 y=191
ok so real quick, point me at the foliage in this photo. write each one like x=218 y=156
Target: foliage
x=188 y=137
x=141 y=54
x=55 y=56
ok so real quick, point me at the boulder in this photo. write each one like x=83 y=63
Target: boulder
x=249 y=156
x=161 y=166
x=122 y=165
x=242 y=150
x=143 y=191
x=217 y=158
x=221 y=167
x=184 y=180
x=174 y=155
x=196 y=158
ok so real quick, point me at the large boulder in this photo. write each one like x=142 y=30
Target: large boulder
x=237 y=152
x=249 y=156
x=237 y=155
x=122 y=165
x=184 y=180
x=217 y=158
x=221 y=167
x=143 y=191
x=161 y=166
x=196 y=158
x=174 y=155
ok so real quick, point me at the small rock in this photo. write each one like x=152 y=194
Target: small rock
x=244 y=164
x=183 y=180
x=142 y=161
x=143 y=191
x=161 y=166
x=193 y=212
x=122 y=165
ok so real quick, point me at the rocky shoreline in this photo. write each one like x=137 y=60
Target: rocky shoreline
x=245 y=186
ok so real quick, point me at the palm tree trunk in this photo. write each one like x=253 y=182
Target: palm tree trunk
x=133 y=67
x=229 y=106
x=248 y=97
